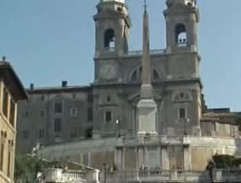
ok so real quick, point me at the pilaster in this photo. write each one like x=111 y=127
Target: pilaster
x=141 y=156
x=119 y=156
x=164 y=158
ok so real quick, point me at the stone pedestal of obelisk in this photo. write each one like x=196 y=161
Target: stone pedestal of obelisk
x=147 y=117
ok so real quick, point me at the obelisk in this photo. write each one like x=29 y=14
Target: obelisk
x=147 y=107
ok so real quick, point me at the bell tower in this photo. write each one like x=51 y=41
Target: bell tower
x=182 y=17
x=112 y=28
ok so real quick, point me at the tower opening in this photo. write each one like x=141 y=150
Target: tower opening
x=181 y=35
x=109 y=40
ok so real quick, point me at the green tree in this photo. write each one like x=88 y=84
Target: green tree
x=26 y=168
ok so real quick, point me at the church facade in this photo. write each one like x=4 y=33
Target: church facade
x=110 y=122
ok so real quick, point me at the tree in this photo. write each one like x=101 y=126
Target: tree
x=226 y=161
x=26 y=168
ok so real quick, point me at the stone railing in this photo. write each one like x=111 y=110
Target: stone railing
x=154 y=176
x=152 y=52
x=66 y=176
x=171 y=176
x=155 y=139
x=232 y=175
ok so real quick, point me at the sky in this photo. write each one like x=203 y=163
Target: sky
x=48 y=41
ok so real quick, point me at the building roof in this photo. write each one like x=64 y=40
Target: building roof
x=12 y=81
x=51 y=90
x=221 y=117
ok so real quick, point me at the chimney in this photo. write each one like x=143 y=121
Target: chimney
x=64 y=84
x=31 y=87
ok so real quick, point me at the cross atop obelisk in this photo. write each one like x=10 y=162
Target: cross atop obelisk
x=145 y=5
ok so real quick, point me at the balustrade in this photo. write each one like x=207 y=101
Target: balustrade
x=62 y=175
x=156 y=139
x=150 y=175
x=146 y=174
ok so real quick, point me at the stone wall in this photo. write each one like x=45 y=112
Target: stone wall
x=190 y=152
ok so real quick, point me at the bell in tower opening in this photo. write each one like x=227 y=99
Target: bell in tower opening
x=112 y=28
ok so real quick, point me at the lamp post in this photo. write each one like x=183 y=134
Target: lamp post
x=105 y=169
x=117 y=122
x=186 y=120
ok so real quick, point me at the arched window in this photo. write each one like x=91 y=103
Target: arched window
x=181 y=35
x=109 y=40
x=140 y=73
x=134 y=76
x=181 y=96
x=155 y=75
x=137 y=75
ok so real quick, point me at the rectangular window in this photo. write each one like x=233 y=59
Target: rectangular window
x=57 y=125
x=214 y=127
x=26 y=114
x=41 y=134
x=12 y=113
x=182 y=113
x=25 y=134
x=108 y=116
x=58 y=107
x=1 y=156
x=5 y=102
x=9 y=164
x=42 y=113
x=90 y=114
x=73 y=112
x=42 y=98
x=74 y=96
x=73 y=132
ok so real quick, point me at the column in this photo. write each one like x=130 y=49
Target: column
x=164 y=158
x=141 y=157
x=119 y=158
x=186 y=158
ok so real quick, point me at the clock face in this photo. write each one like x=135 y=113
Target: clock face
x=108 y=71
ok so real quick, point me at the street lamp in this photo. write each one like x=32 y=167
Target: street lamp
x=117 y=122
x=186 y=120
